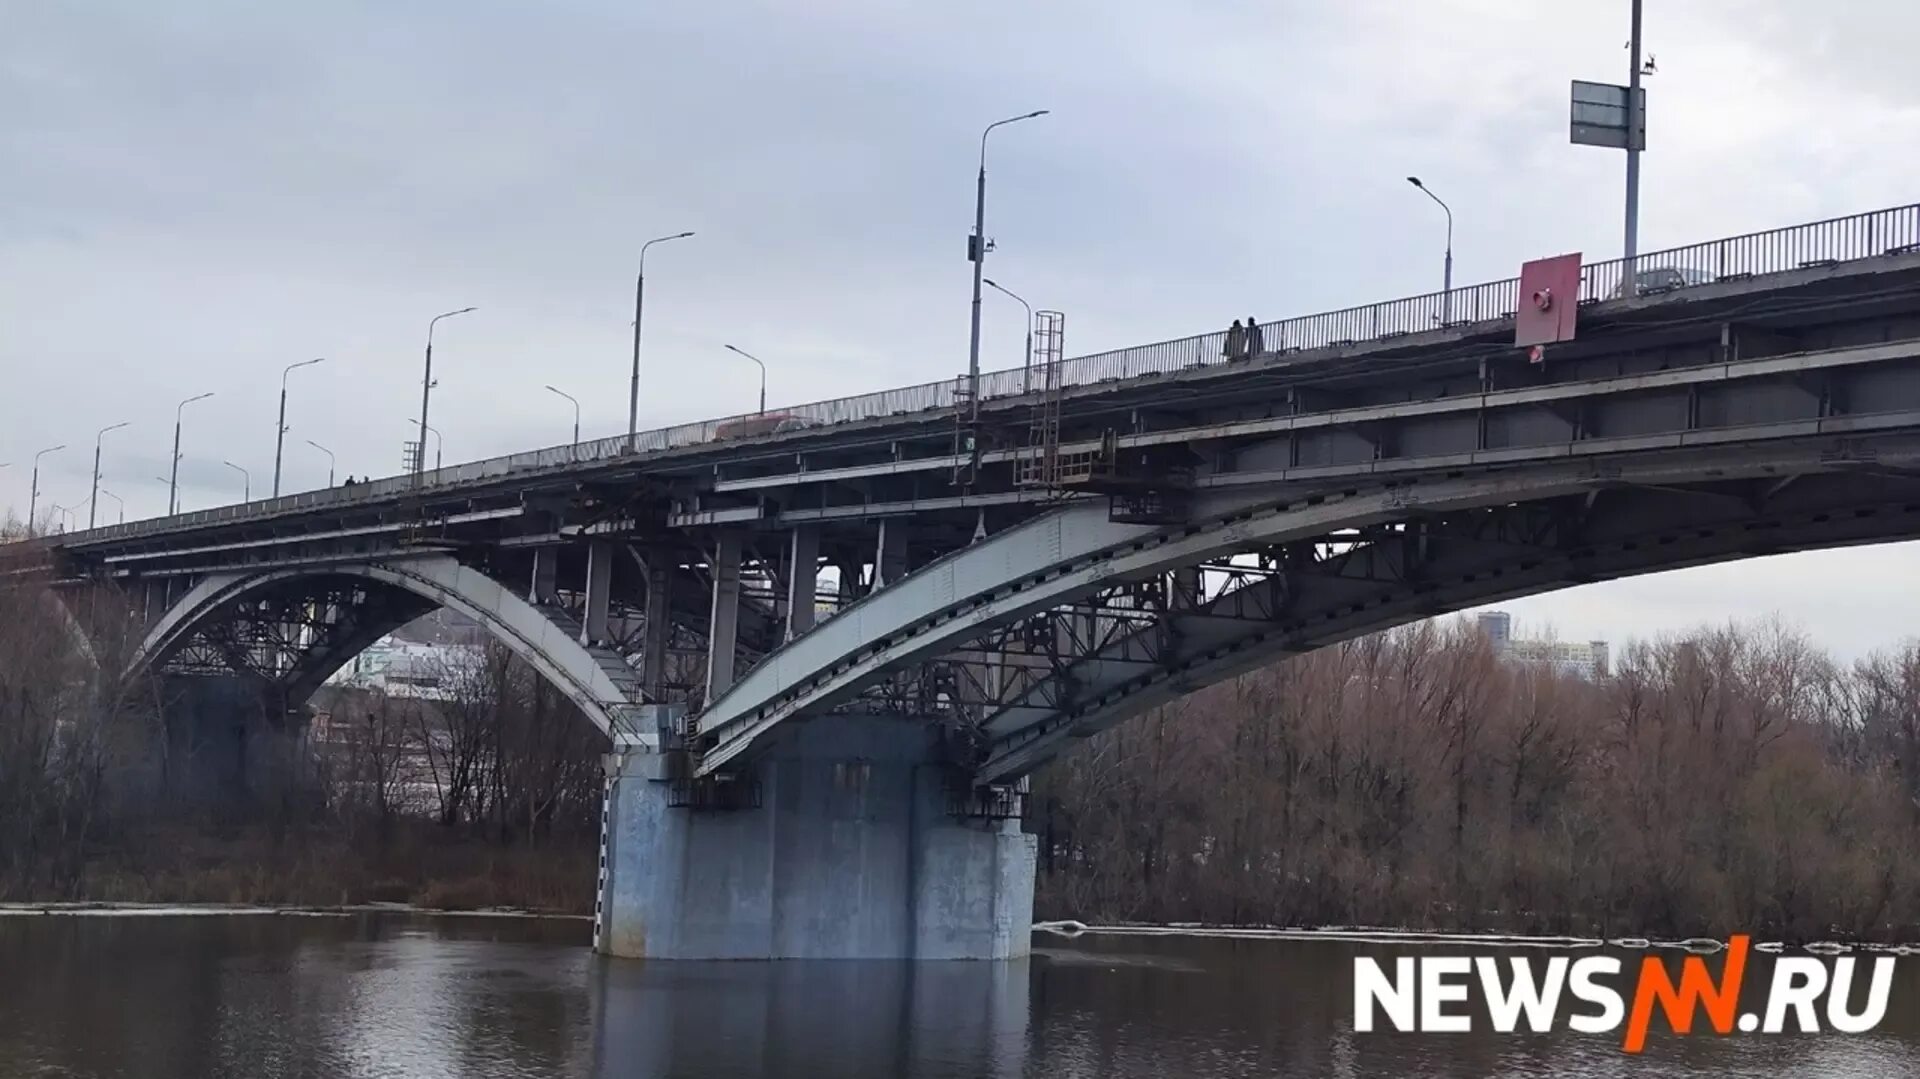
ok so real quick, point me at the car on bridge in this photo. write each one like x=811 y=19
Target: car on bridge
x=772 y=423
x=1666 y=279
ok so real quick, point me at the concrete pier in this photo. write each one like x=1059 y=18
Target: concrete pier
x=850 y=853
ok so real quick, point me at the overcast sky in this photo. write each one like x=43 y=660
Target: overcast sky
x=195 y=194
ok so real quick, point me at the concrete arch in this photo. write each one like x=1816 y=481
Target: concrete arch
x=585 y=675
x=1075 y=551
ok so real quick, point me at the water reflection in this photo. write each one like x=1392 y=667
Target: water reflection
x=187 y=997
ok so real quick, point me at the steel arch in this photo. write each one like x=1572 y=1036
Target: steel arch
x=580 y=672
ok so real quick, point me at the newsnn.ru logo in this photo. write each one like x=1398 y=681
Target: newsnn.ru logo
x=1429 y=994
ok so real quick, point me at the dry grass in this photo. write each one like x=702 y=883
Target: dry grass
x=420 y=864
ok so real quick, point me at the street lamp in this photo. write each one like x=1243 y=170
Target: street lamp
x=329 y=454
x=1633 y=155
x=173 y=484
x=1026 y=363
x=280 y=429
x=439 y=444
x=763 y=375
x=1446 y=299
x=426 y=390
x=66 y=517
x=576 y=411
x=95 y=497
x=639 y=298
x=117 y=502
x=977 y=254
x=33 y=492
x=246 y=480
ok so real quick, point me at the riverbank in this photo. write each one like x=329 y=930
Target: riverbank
x=417 y=863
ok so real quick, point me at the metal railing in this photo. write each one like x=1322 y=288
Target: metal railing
x=1892 y=231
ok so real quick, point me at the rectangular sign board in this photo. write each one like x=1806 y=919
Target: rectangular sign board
x=1600 y=116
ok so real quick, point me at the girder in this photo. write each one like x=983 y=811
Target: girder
x=1461 y=572
x=1060 y=560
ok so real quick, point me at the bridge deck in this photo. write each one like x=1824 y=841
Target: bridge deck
x=868 y=430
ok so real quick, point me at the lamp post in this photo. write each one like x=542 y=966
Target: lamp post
x=763 y=375
x=33 y=491
x=1026 y=363
x=576 y=411
x=439 y=444
x=1635 y=136
x=329 y=454
x=639 y=299
x=173 y=484
x=280 y=429
x=66 y=517
x=95 y=496
x=246 y=481
x=426 y=391
x=977 y=253
x=1446 y=297
x=117 y=501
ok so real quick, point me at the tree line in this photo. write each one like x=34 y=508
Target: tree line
x=495 y=786
x=1729 y=779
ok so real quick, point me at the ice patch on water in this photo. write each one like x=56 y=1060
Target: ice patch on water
x=1356 y=934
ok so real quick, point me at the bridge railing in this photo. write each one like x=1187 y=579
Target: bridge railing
x=1842 y=239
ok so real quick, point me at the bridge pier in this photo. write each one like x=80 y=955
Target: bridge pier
x=841 y=847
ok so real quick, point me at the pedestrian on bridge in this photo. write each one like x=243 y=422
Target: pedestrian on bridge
x=1255 y=345
x=1236 y=347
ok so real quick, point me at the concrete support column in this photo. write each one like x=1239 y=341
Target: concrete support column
x=849 y=854
x=154 y=593
x=546 y=572
x=593 y=622
x=723 y=623
x=803 y=575
x=659 y=638
x=890 y=554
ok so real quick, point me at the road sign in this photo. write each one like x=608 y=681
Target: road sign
x=1600 y=116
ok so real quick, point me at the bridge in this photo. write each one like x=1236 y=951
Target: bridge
x=827 y=646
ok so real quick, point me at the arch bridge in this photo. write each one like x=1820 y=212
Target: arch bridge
x=885 y=610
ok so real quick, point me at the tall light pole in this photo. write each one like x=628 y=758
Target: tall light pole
x=1026 y=362
x=977 y=253
x=33 y=491
x=173 y=484
x=280 y=429
x=118 y=502
x=246 y=481
x=95 y=496
x=1446 y=295
x=426 y=392
x=1636 y=135
x=66 y=517
x=329 y=454
x=439 y=444
x=639 y=299
x=763 y=374
x=576 y=411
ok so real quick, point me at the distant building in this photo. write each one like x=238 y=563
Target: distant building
x=1589 y=659
x=406 y=669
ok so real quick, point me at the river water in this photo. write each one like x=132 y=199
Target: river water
x=197 y=996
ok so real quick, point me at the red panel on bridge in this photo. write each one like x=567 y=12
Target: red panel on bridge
x=1549 y=301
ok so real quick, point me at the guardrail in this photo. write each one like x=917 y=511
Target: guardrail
x=1843 y=239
